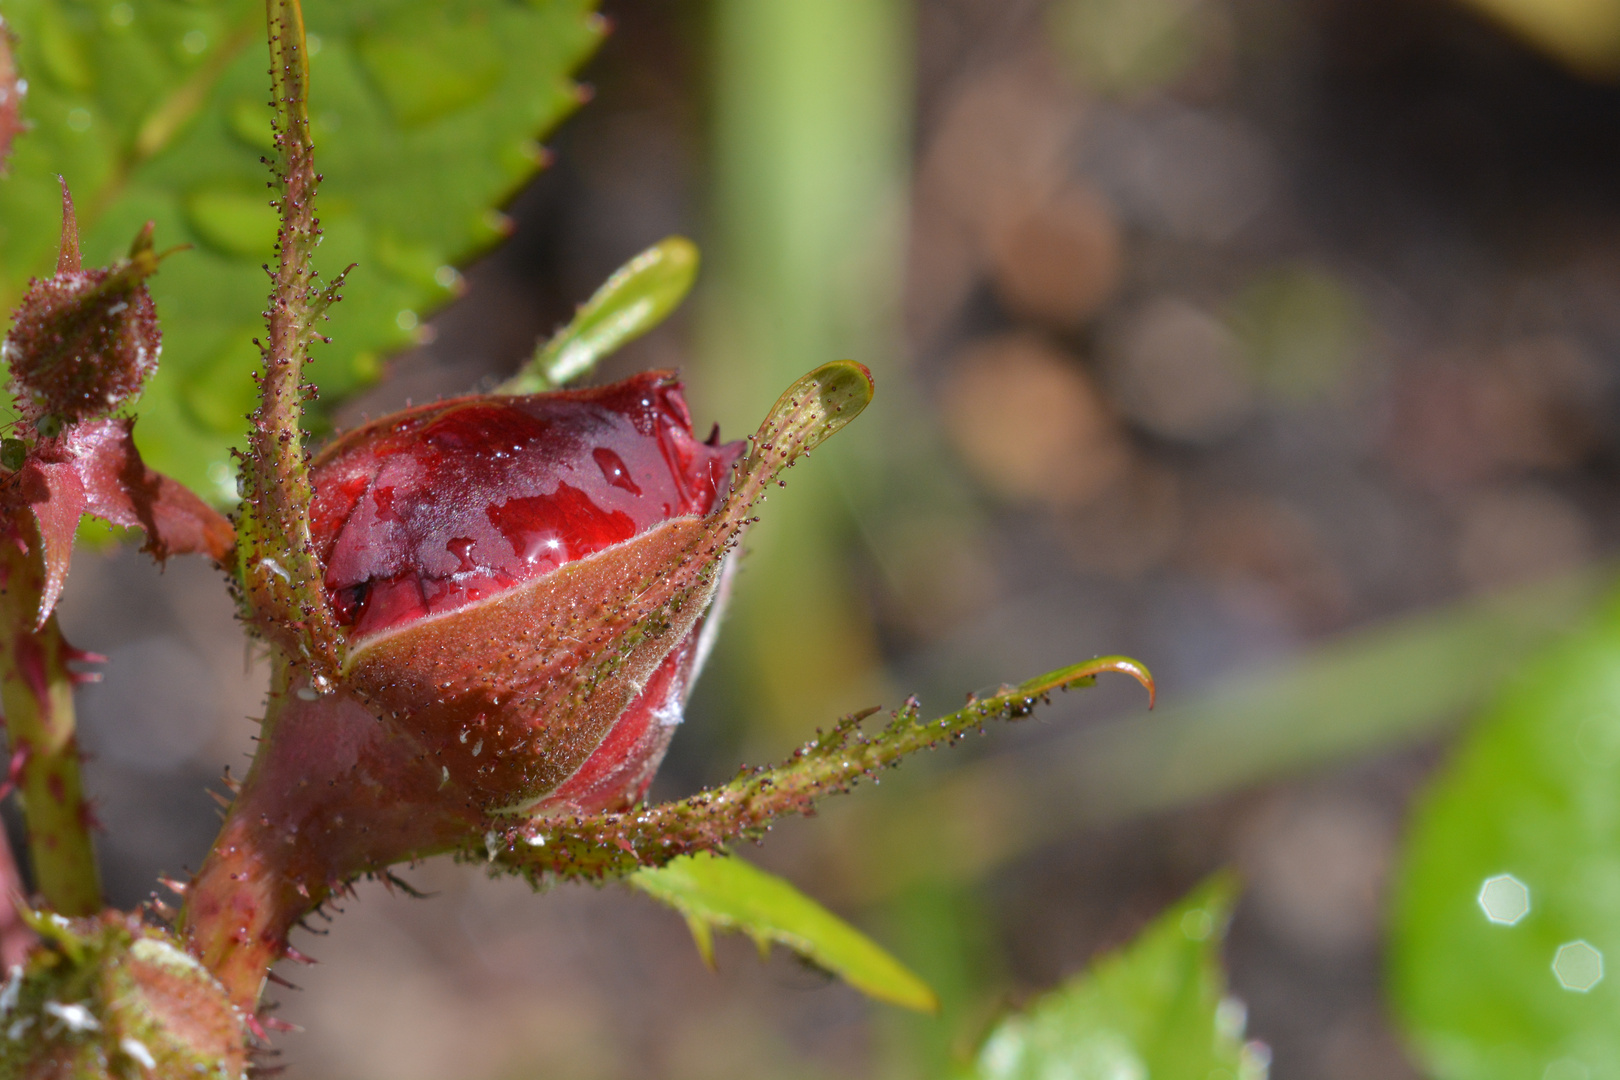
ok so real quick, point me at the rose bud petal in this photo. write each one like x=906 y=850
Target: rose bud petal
x=433 y=526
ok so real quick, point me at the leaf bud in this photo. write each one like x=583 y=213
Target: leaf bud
x=83 y=342
x=110 y=997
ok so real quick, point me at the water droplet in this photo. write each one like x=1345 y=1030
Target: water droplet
x=461 y=547
x=12 y=990
x=1578 y=966
x=1504 y=899
x=614 y=470
x=194 y=42
x=74 y=1017
x=136 y=1051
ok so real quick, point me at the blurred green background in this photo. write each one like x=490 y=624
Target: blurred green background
x=1274 y=342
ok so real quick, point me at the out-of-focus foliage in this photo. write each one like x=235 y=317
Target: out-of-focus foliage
x=1508 y=905
x=1300 y=328
x=638 y=297
x=425 y=117
x=1583 y=34
x=1125 y=46
x=810 y=120
x=1389 y=685
x=726 y=893
x=1154 y=1009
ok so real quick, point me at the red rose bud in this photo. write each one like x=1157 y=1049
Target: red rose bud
x=435 y=524
x=83 y=342
x=524 y=586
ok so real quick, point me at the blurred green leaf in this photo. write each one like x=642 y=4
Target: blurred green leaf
x=1387 y=686
x=811 y=104
x=1584 y=35
x=1155 y=1009
x=1300 y=327
x=1127 y=46
x=424 y=112
x=1508 y=899
x=728 y=893
x=638 y=297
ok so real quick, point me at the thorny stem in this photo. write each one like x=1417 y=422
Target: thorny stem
x=36 y=689
x=237 y=912
x=611 y=845
x=279 y=567
x=332 y=794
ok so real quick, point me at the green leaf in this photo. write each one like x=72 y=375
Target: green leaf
x=1154 y=1009
x=424 y=113
x=1508 y=897
x=638 y=297
x=724 y=892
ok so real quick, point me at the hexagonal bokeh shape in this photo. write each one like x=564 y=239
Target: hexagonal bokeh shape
x=1566 y=1069
x=1578 y=966
x=1504 y=899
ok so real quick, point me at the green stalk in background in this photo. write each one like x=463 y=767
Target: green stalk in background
x=812 y=99
x=812 y=109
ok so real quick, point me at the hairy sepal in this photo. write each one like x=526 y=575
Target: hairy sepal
x=94 y=468
x=575 y=647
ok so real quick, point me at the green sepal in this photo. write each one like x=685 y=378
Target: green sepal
x=639 y=296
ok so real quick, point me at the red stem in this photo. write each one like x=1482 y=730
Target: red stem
x=36 y=688
x=332 y=795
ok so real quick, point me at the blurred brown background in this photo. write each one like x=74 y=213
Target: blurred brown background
x=1205 y=330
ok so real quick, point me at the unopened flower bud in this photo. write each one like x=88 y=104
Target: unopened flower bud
x=525 y=589
x=109 y=997
x=83 y=342
x=446 y=529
